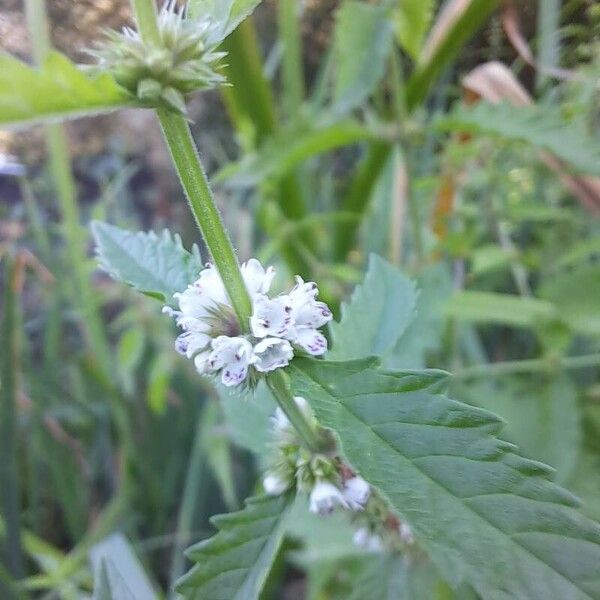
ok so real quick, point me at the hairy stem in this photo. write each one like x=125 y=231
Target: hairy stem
x=200 y=199
x=193 y=179
x=279 y=385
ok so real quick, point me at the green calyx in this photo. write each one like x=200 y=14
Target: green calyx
x=161 y=73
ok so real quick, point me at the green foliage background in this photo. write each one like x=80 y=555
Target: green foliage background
x=449 y=236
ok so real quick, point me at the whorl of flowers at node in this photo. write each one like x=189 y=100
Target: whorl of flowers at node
x=331 y=485
x=184 y=59
x=279 y=325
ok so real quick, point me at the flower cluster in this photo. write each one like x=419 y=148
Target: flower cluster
x=330 y=485
x=182 y=60
x=212 y=335
x=319 y=475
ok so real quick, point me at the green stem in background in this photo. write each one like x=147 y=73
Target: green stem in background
x=193 y=179
x=189 y=506
x=293 y=76
x=251 y=107
x=249 y=98
x=279 y=385
x=9 y=368
x=535 y=365
x=417 y=87
x=548 y=54
x=358 y=197
x=66 y=191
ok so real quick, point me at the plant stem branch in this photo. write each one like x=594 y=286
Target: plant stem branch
x=279 y=385
x=200 y=199
x=536 y=365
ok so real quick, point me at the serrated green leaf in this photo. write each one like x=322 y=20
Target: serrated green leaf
x=424 y=333
x=234 y=564
x=157 y=266
x=226 y=14
x=56 y=92
x=248 y=417
x=507 y=309
x=411 y=22
x=376 y=316
x=541 y=127
x=485 y=515
x=366 y=27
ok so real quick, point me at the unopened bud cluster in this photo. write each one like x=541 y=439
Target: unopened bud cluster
x=317 y=474
x=331 y=485
x=183 y=59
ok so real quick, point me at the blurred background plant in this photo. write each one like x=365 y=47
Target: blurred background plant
x=459 y=141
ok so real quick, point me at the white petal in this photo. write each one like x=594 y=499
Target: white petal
x=271 y=317
x=271 y=354
x=356 y=493
x=233 y=355
x=234 y=373
x=274 y=485
x=203 y=295
x=406 y=533
x=201 y=363
x=325 y=497
x=313 y=341
x=257 y=279
x=303 y=292
x=190 y=342
x=312 y=314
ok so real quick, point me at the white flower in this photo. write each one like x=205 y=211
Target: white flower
x=274 y=485
x=356 y=492
x=282 y=425
x=406 y=534
x=271 y=317
x=257 y=279
x=325 y=497
x=202 y=296
x=201 y=362
x=271 y=354
x=366 y=540
x=212 y=335
x=308 y=314
x=232 y=355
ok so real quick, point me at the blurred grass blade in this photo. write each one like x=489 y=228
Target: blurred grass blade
x=118 y=572
x=487 y=307
x=411 y=21
x=292 y=67
x=456 y=23
x=9 y=369
x=283 y=153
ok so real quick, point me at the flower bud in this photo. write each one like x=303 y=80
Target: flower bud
x=325 y=497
